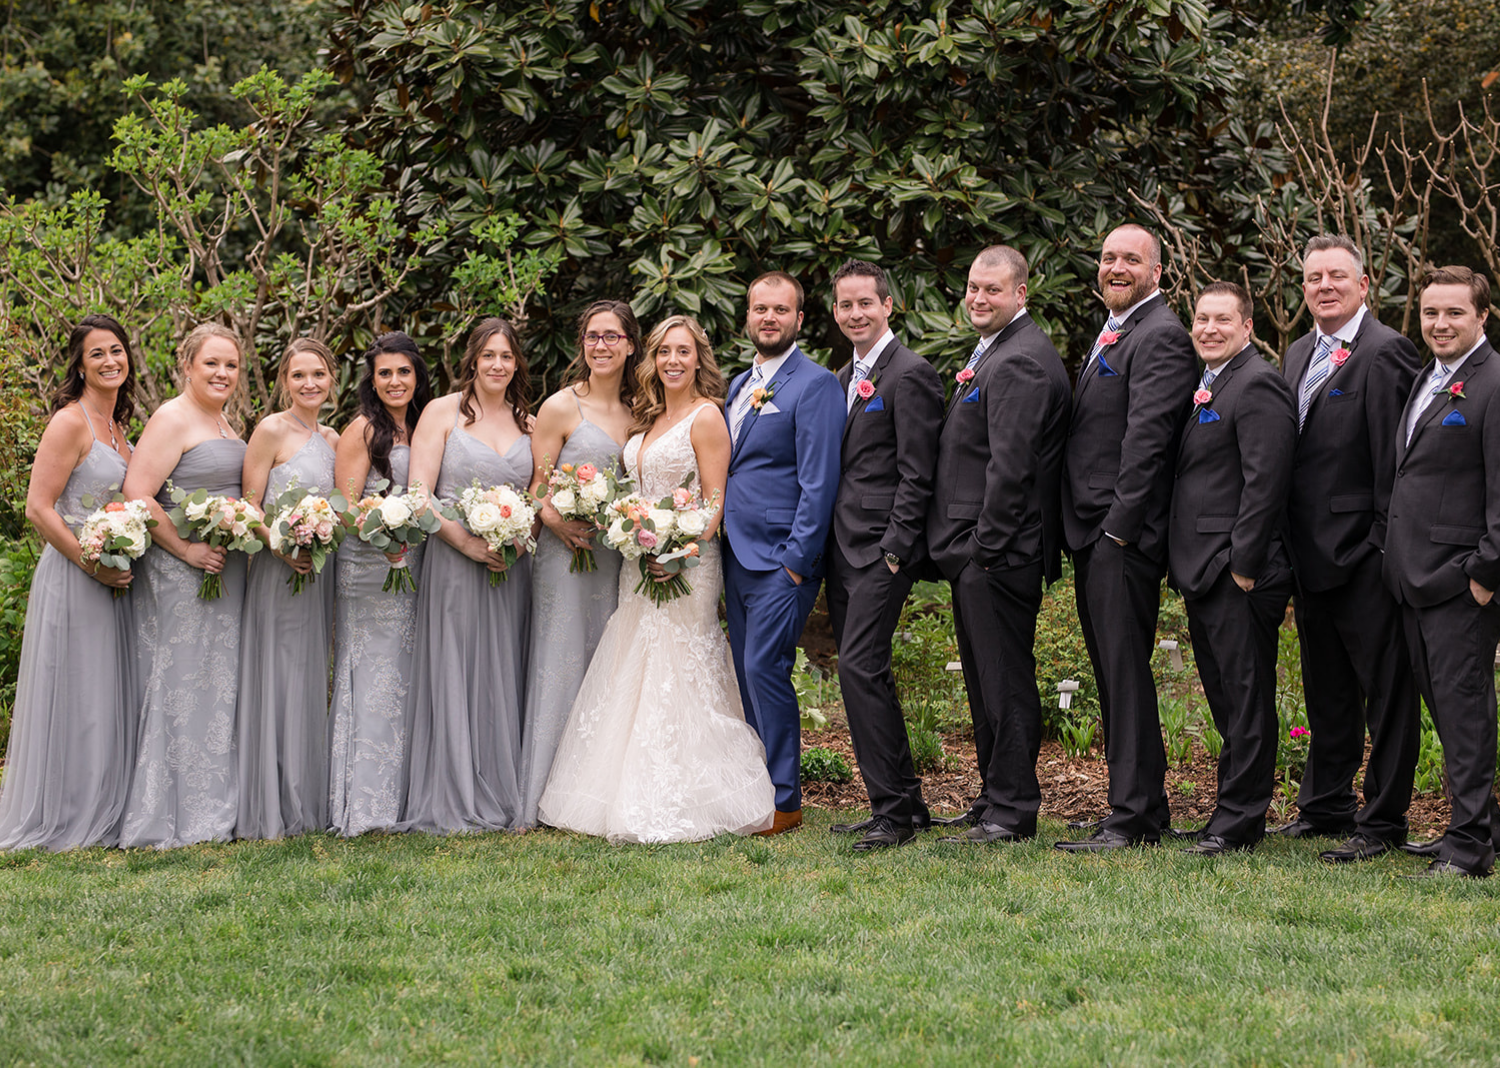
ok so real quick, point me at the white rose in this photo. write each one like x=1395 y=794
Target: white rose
x=195 y=510
x=664 y=520
x=564 y=501
x=691 y=523
x=593 y=493
x=395 y=512
x=484 y=517
x=278 y=540
x=137 y=545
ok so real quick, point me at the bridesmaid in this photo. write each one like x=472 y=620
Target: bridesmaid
x=583 y=423
x=375 y=630
x=467 y=679
x=71 y=740
x=281 y=724
x=183 y=787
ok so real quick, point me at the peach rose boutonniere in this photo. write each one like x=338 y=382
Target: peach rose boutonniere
x=760 y=396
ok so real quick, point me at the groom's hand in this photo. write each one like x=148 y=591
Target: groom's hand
x=796 y=578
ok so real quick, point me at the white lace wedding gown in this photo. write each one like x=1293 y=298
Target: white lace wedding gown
x=657 y=748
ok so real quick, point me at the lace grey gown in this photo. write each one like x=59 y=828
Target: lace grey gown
x=568 y=614
x=468 y=666
x=657 y=748
x=374 y=635
x=72 y=737
x=183 y=788
x=281 y=723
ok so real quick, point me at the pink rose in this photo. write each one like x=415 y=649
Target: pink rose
x=505 y=511
x=865 y=389
x=682 y=498
x=646 y=538
x=325 y=530
x=1457 y=390
x=1338 y=357
x=1109 y=337
x=587 y=473
x=965 y=376
x=1202 y=397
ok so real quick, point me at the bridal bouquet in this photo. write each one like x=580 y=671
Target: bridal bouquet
x=114 y=535
x=666 y=531
x=223 y=522
x=393 y=523
x=304 y=520
x=583 y=492
x=503 y=517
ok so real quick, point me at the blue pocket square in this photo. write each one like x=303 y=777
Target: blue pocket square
x=1105 y=370
x=875 y=405
x=972 y=397
x=1335 y=393
x=1208 y=415
x=1455 y=419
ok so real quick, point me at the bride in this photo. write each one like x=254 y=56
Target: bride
x=657 y=748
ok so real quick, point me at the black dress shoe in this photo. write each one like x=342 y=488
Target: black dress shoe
x=1086 y=825
x=1213 y=845
x=1104 y=840
x=1423 y=849
x=1182 y=836
x=988 y=832
x=1446 y=868
x=1301 y=828
x=852 y=828
x=884 y=833
x=966 y=819
x=1359 y=847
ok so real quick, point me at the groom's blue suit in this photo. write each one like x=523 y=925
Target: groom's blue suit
x=778 y=505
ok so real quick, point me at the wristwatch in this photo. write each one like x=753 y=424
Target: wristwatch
x=893 y=559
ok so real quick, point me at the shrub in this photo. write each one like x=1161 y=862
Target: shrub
x=824 y=765
x=927 y=753
x=17 y=562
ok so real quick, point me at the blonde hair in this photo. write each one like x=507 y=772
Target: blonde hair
x=191 y=345
x=651 y=396
x=282 y=397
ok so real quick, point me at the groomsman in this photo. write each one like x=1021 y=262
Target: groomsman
x=994 y=530
x=1351 y=376
x=786 y=417
x=1234 y=469
x=1133 y=394
x=1442 y=553
x=895 y=403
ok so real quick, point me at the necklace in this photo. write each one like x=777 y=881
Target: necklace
x=113 y=443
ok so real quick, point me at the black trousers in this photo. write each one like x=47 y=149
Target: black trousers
x=1234 y=644
x=994 y=613
x=1356 y=672
x=864 y=607
x=1119 y=596
x=1453 y=653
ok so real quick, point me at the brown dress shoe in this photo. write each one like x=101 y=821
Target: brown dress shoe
x=785 y=821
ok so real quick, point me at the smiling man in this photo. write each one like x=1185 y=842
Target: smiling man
x=1234 y=467
x=895 y=403
x=1351 y=375
x=1133 y=393
x=1442 y=553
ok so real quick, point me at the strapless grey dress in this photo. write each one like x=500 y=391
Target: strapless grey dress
x=374 y=635
x=183 y=789
x=281 y=726
x=72 y=736
x=568 y=613
x=468 y=666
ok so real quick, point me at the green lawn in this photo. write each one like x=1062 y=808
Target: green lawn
x=552 y=949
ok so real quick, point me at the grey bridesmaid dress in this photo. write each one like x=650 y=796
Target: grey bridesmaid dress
x=468 y=666
x=375 y=632
x=281 y=725
x=183 y=786
x=72 y=737
x=568 y=614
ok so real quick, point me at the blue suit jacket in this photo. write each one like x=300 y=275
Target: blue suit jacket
x=784 y=470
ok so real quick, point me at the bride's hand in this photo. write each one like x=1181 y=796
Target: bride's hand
x=658 y=573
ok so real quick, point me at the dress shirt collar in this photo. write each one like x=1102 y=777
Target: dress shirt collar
x=877 y=348
x=769 y=367
x=1124 y=316
x=1344 y=334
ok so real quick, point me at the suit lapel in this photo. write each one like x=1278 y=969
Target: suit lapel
x=1327 y=386
x=1092 y=371
x=881 y=362
x=1440 y=406
x=785 y=371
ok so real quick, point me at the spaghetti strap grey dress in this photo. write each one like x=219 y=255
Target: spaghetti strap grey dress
x=374 y=635
x=183 y=788
x=468 y=666
x=72 y=737
x=568 y=613
x=281 y=726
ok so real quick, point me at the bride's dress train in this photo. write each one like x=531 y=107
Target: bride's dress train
x=657 y=748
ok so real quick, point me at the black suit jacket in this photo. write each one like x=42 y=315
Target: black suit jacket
x=1444 y=526
x=1234 y=469
x=887 y=459
x=996 y=499
x=1346 y=453
x=1128 y=411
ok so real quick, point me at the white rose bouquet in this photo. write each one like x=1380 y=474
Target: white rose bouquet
x=503 y=517
x=666 y=531
x=115 y=535
x=393 y=523
x=223 y=522
x=304 y=521
x=583 y=492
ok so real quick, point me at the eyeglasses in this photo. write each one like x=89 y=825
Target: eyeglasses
x=590 y=340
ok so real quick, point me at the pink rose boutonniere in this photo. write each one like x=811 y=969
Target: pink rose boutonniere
x=1456 y=391
x=1203 y=397
x=1338 y=356
x=865 y=390
x=1109 y=337
x=965 y=376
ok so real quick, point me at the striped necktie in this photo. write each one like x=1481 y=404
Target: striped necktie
x=1111 y=326
x=974 y=356
x=1435 y=383
x=862 y=371
x=1208 y=378
x=1319 y=369
x=742 y=403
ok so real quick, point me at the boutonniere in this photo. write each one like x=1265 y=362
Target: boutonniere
x=1203 y=397
x=1338 y=356
x=865 y=390
x=1456 y=391
x=965 y=376
x=760 y=396
x=1109 y=337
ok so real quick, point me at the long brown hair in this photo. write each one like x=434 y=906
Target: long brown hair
x=577 y=372
x=651 y=397
x=72 y=384
x=519 y=390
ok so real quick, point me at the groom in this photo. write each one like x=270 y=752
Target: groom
x=786 y=418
